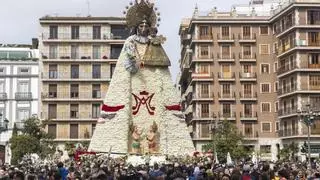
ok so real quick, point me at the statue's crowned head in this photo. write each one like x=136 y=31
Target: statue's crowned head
x=141 y=16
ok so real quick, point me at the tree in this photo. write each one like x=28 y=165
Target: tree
x=288 y=152
x=33 y=139
x=227 y=139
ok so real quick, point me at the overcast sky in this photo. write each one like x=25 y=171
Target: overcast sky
x=19 y=18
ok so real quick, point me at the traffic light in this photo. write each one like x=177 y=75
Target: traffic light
x=304 y=147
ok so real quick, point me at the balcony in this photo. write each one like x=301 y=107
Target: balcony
x=227 y=96
x=226 y=39
x=76 y=76
x=66 y=116
x=203 y=97
x=287 y=89
x=230 y=57
x=248 y=97
x=290 y=111
x=83 y=37
x=248 y=116
x=228 y=116
x=286 y=68
x=250 y=135
x=202 y=39
x=299 y=44
x=202 y=59
x=248 y=76
x=247 y=58
x=247 y=39
x=3 y=96
x=72 y=96
x=201 y=116
x=202 y=77
x=69 y=57
x=226 y=76
x=288 y=132
x=21 y=96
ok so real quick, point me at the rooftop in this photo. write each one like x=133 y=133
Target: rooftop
x=71 y=18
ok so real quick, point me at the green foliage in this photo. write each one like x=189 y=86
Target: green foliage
x=33 y=139
x=227 y=139
x=288 y=152
x=14 y=130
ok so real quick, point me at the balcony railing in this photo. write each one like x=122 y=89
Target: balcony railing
x=23 y=95
x=247 y=75
x=75 y=75
x=226 y=56
x=249 y=134
x=287 y=111
x=71 y=56
x=251 y=114
x=199 y=96
x=243 y=37
x=3 y=96
x=227 y=95
x=204 y=37
x=288 y=132
x=83 y=36
x=287 y=89
x=227 y=115
x=248 y=95
x=226 y=75
x=251 y=56
x=65 y=115
x=199 y=75
x=222 y=37
x=73 y=95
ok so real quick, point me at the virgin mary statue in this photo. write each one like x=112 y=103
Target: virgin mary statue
x=141 y=112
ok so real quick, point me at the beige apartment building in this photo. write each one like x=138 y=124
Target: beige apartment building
x=254 y=66
x=78 y=57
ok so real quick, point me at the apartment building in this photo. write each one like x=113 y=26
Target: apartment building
x=19 y=82
x=254 y=66
x=78 y=57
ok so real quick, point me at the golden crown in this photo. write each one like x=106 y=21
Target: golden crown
x=140 y=11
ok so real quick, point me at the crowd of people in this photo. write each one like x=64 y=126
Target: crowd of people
x=103 y=167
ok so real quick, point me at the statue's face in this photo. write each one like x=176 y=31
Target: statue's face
x=143 y=29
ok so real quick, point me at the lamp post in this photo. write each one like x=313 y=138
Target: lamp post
x=307 y=117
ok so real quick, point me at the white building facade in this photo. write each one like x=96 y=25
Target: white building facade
x=19 y=91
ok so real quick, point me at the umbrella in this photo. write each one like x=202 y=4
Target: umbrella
x=229 y=161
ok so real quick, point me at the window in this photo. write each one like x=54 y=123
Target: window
x=53 y=30
x=96 y=71
x=53 y=52
x=275 y=48
x=246 y=51
x=265 y=68
x=226 y=110
x=52 y=110
x=52 y=91
x=53 y=71
x=23 y=86
x=74 y=52
x=115 y=51
x=96 y=52
x=276 y=106
x=277 y=126
x=265 y=107
x=226 y=90
x=93 y=128
x=96 y=32
x=247 y=90
x=205 y=130
x=264 y=30
x=313 y=38
x=204 y=51
x=204 y=31
x=314 y=17
x=74 y=90
x=203 y=69
x=204 y=110
x=74 y=131
x=226 y=51
x=246 y=32
x=52 y=130
x=74 y=32
x=2 y=70
x=204 y=91
x=247 y=110
x=265 y=88
x=2 y=87
x=246 y=68
x=248 y=129
x=266 y=127
x=74 y=110
x=225 y=32
x=264 y=49
x=314 y=101
x=314 y=60
x=74 y=71
x=96 y=92
x=314 y=82
x=112 y=68
x=95 y=110
x=265 y=148
x=23 y=114
x=24 y=71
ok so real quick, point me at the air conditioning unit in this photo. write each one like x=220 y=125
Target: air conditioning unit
x=246 y=75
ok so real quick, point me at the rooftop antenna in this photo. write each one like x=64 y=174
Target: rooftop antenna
x=88 y=4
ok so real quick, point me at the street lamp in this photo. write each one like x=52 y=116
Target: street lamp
x=213 y=131
x=307 y=117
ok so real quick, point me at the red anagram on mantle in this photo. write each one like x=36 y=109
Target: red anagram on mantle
x=143 y=99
